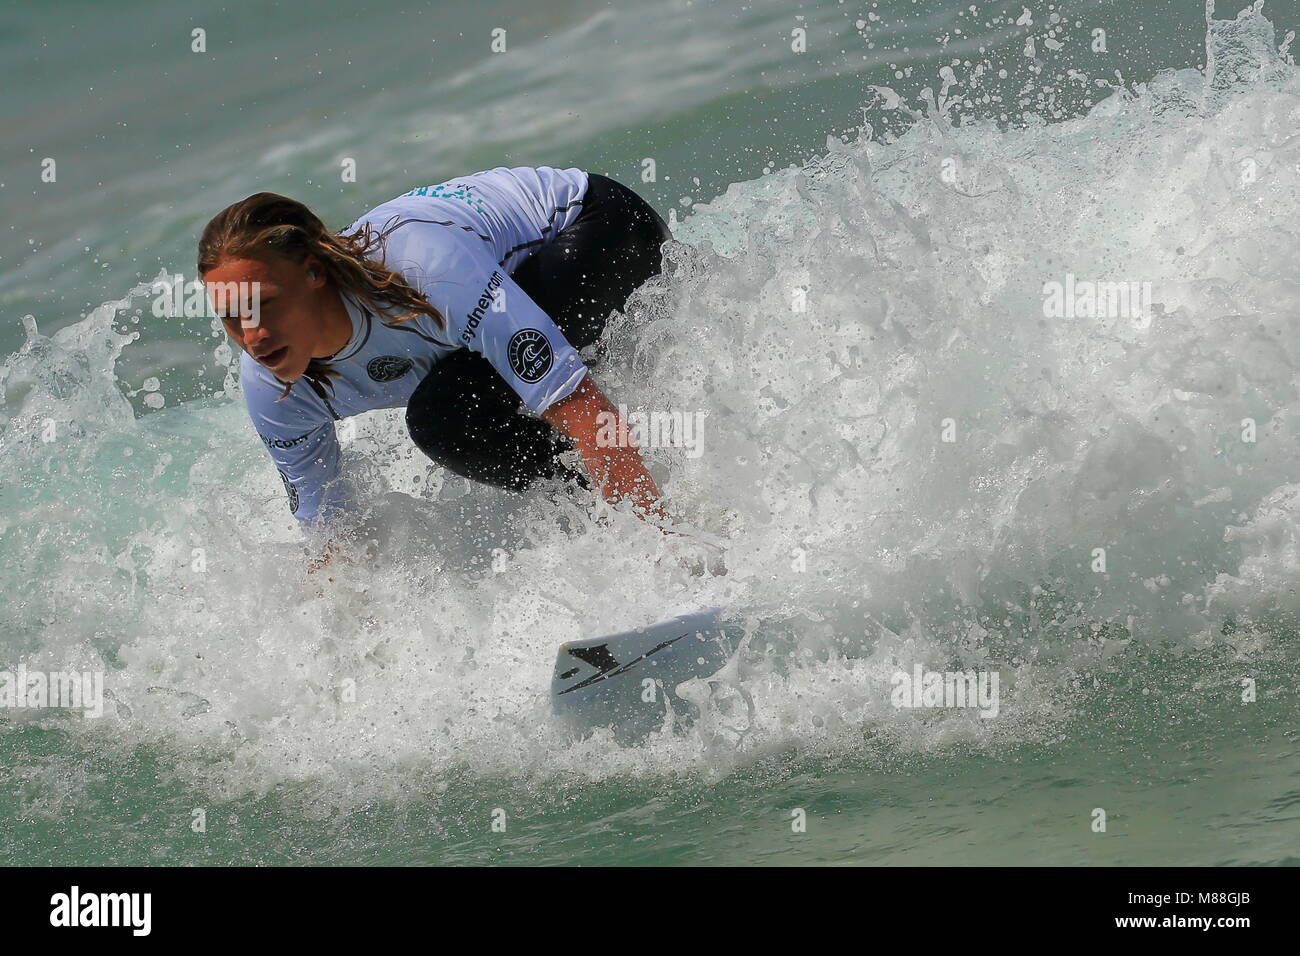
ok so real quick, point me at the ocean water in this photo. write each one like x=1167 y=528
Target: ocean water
x=905 y=459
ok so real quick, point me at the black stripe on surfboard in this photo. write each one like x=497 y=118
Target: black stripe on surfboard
x=604 y=675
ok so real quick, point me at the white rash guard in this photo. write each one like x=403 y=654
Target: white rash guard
x=456 y=243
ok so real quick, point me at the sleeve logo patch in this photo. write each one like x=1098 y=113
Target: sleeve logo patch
x=388 y=368
x=292 y=492
x=530 y=355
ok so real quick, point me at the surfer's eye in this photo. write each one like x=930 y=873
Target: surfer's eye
x=234 y=325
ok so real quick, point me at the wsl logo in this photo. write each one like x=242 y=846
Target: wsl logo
x=388 y=368
x=530 y=355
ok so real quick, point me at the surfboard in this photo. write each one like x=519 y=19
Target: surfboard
x=626 y=681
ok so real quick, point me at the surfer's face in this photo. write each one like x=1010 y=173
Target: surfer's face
x=273 y=311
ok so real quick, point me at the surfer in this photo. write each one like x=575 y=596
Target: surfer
x=465 y=301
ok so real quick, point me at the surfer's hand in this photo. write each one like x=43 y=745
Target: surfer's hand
x=616 y=469
x=653 y=513
x=323 y=559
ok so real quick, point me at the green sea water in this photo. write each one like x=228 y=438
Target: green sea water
x=913 y=176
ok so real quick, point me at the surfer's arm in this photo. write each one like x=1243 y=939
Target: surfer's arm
x=304 y=448
x=311 y=480
x=585 y=415
x=309 y=467
x=487 y=312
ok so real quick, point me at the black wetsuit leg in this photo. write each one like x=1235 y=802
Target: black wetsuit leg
x=465 y=417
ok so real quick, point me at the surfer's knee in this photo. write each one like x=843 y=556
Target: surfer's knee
x=428 y=413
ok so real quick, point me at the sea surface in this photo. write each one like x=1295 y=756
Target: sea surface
x=907 y=458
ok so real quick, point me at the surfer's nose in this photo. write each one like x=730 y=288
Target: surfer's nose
x=253 y=335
